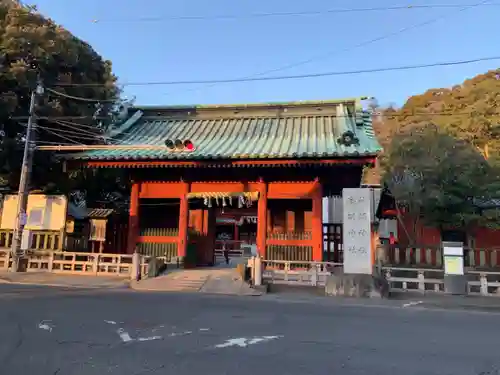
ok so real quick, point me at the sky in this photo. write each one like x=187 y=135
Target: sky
x=174 y=50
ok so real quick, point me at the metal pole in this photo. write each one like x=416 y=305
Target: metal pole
x=22 y=196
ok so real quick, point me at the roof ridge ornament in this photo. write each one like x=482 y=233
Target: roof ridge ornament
x=348 y=138
x=180 y=145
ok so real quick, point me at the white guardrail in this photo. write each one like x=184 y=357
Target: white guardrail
x=424 y=280
x=65 y=262
x=486 y=283
x=297 y=273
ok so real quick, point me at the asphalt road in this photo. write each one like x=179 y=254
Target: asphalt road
x=85 y=332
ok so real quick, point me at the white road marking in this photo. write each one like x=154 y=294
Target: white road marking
x=243 y=342
x=45 y=325
x=415 y=303
x=261 y=339
x=124 y=335
x=157 y=328
x=174 y=334
x=149 y=338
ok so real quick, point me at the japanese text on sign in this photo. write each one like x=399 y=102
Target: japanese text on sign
x=356 y=231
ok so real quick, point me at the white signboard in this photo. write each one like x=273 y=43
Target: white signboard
x=453 y=254
x=357 y=230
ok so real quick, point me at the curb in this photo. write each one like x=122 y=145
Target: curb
x=164 y=290
x=193 y=292
x=56 y=285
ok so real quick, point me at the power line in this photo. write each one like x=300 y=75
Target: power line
x=284 y=14
x=50 y=131
x=272 y=78
x=52 y=143
x=69 y=133
x=90 y=100
x=379 y=114
x=356 y=46
x=96 y=131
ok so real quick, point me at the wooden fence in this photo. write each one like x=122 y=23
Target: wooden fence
x=297 y=273
x=423 y=280
x=431 y=280
x=73 y=263
x=431 y=257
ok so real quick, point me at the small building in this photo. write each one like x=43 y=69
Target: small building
x=279 y=160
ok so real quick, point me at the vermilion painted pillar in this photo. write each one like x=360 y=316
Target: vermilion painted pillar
x=236 y=233
x=317 y=222
x=262 y=220
x=133 y=218
x=183 y=222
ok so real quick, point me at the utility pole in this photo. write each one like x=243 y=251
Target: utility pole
x=22 y=195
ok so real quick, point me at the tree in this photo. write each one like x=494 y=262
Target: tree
x=468 y=111
x=439 y=179
x=32 y=47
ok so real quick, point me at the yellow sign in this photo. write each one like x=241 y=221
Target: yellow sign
x=453 y=265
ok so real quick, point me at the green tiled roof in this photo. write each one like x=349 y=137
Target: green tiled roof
x=253 y=131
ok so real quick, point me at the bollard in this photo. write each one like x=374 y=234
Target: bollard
x=257 y=271
x=136 y=267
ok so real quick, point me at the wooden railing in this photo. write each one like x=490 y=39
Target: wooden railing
x=159 y=232
x=297 y=273
x=289 y=253
x=423 y=280
x=73 y=263
x=236 y=248
x=40 y=240
x=432 y=280
x=289 y=245
x=290 y=236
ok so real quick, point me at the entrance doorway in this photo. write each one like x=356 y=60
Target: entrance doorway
x=236 y=230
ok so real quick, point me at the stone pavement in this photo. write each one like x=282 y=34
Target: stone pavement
x=61 y=280
x=208 y=280
x=221 y=279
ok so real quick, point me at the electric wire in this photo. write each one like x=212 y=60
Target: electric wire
x=77 y=126
x=356 y=46
x=282 y=14
x=61 y=136
x=90 y=100
x=271 y=78
x=374 y=114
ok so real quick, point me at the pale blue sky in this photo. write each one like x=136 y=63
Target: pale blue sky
x=171 y=50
